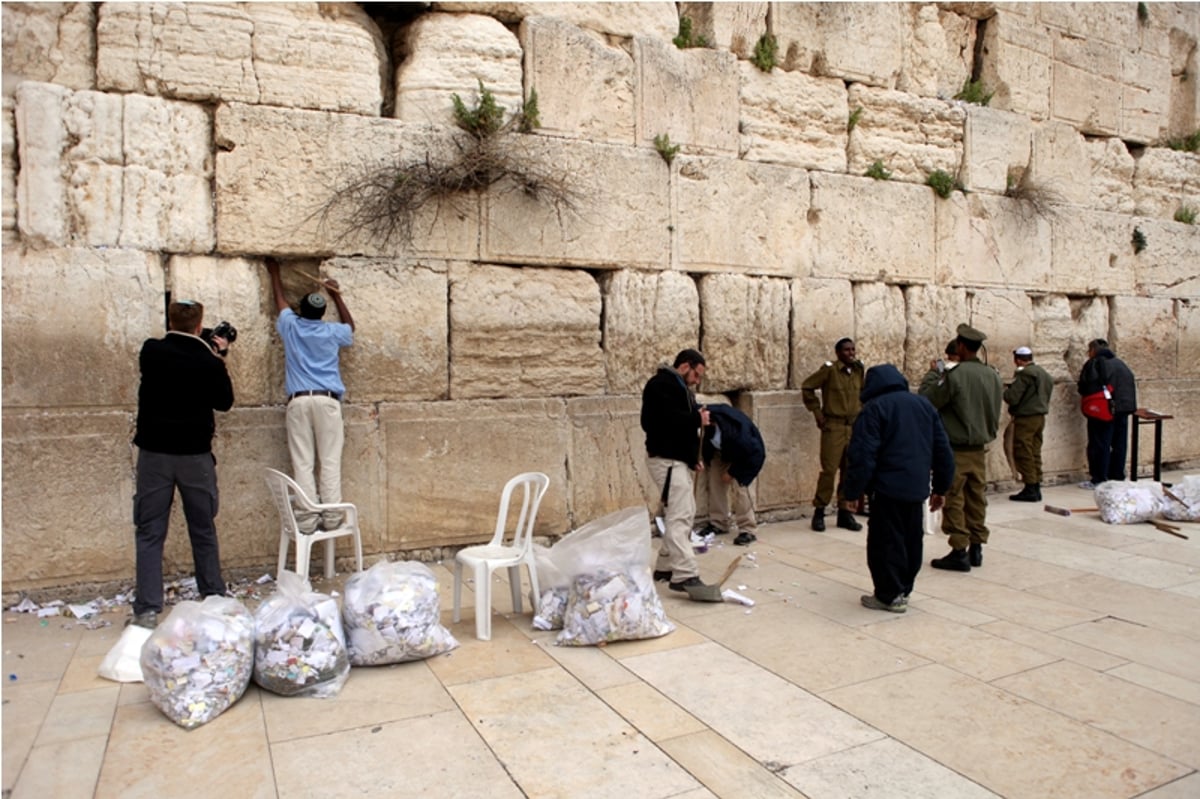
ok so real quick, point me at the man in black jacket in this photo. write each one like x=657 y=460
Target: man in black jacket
x=1107 y=441
x=733 y=456
x=897 y=444
x=672 y=422
x=183 y=381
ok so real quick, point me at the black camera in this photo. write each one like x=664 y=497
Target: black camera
x=222 y=330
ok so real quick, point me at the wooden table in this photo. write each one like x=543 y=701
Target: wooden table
x=1140 y=417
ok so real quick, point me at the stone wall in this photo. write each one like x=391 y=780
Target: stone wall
x=154 y=149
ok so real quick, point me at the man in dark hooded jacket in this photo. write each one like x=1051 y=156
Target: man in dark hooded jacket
x=897 y=444
x=733 y=454
x=1107 y=440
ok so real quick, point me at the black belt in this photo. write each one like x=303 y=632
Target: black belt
x=315 y=393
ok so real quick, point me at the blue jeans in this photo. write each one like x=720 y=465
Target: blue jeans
x=1106 y=447
x=158 y=475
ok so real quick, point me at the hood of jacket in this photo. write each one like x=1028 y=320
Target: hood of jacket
x=882 y=379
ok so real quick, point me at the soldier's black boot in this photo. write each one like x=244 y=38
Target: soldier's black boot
x=1032 y=492
x=956 y=561
x=847 y=521
x=975 y=554
x=818 y=521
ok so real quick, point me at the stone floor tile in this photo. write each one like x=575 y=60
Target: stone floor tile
x=1160 y=650
x=132 y=693
x=1096 y=558
x=800 y=557
x=1183 y=788
x=590 y=751
x=724 y=769
x=62 y=769
x=149 y=756
x=654 y=716
x=1021 y=607
x=82 y=674
x=508 y=652
x=836 y=551
x=1017 y=571
x=1054 y=645
x=1147 y=718
x=1013 y=747
x=808 y=650
x=1187 y=589
x=967 y=649
x=767 y=717
x=434 y=755
x=372 y=695
x=1170 y=549
x=682 y=636
x=25 y=707
x=594 y=666
x=33 y=652
x=80 y=714
x=1137 y=603
x=881 y=768
x=947 y=610
x=1169 y=684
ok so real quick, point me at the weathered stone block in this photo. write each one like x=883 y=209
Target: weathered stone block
x=1111 y=170
x=1189 y=339
x=1099 y=22
x=607 y=457
x=8 y=166
x=931 y=315
x=1018 y=66
x=50 y=42
x=1090 y=102
x=996 y=147
x=524 y=332
x=1164 y=180
x=1064 y=442
x=648 y=318
x=1167 y=267
x=74 y=322
x=992 y=241
x=1006 y=317
x=911 y=135
x=689 y=95
x=616 y=214
x=1146 y=335
x=584 y=85
x=1056 y=331
x=717 y=195
x=1059 y=156
x=793 y=119
x=729 y=26
x=792 y=440
x=1092 y=253
x=1181 y=439
x=937 y=47
x=1145 y=96
x=858 y=42
x=822 y=313
x=744 y=332
x=879 y=323
x=278 y=169
x=308 y=55
x=871 y=230
x=446 y=463
x=618 y=19
x=446 y=54
x=1090 y=316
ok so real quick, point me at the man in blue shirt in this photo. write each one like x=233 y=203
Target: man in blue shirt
x=311 y=349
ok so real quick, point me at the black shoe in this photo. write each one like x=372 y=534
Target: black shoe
x=818 y=521
x=898 y=605
x=1032 y=492
x=149 y=620
x=846 y=521
x=710 y=529
x=683 y=584
x=662 y=576
x=975 y=554
x=745 y=539
x=956 y=561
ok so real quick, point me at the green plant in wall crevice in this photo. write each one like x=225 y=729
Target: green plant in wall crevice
x=766 y=53
x=878 y=171
x=668 y=151
x=942 y=183
x=685 y=39
x=1186 y=214
x=973 y=91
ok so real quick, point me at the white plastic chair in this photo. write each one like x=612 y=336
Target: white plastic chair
x=285 y=491
x=486 y=558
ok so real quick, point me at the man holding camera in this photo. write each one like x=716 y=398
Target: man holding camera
x=183 y=381
x=311 y=350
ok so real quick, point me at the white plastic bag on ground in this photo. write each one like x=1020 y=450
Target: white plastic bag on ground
x=391 y=615
x=606 y=606
x=1128 y=502
x=1188 y=508
x=299 y=646
x=198 y=662
x=122 y=663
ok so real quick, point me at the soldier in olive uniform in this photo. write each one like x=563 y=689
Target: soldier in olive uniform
x=967 y=394
x=1028 y=399
x=840 y=384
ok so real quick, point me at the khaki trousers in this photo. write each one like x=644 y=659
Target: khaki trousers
x=965 y=514
x=719 y=495
x=834 y=440
x=676 y=553
x=1027 y=446
x=315 y=439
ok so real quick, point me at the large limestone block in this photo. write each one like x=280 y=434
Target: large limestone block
x=1064 y=441
x=1164 y=180
x=857 y=42
x=326 y=56
x=1145 y=96
x=524 y=332
x=879 y=323
x=68 y=489
x=911 y=135
x=618 y=19
x=1007 y=319
x=446 y=463
x=1056 y=331
x=822 y=313
x=730 y=26
x=49 y=42
x=445 y=54
x=932 y=313
x=1147 y=332
x=1181 y=439
x=616 y=214
x=8 y=166
x=996 y=148
x=1087 y=100
x=107 y=170
x=648 y=318
x=1091 y=22
x=767 y=205
x=744 y=332
x=1059 y=156
x=584 y=84
x=1167 y=267
x=1092 y=252
x=937 y=47
x=1111 y=170
x=872 y=230
x=793 y=119
x=986 y=240
x=607 y=457
x=74 y=322
x=1019 y=60
x=1189 y=339
x=793 y=443
x=277 y=169
x=689 y=95
x=1090 y=316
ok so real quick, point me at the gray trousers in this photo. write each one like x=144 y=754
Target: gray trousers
x=158 y=475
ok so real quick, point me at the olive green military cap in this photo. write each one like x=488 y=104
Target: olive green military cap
x=968 y=333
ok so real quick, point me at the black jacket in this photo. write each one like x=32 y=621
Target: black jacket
x=741 y=444
x=671 y=418
x=1107 y=369
x=183 y=382
x=897 y=442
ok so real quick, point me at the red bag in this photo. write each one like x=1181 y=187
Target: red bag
x=1098 y=406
